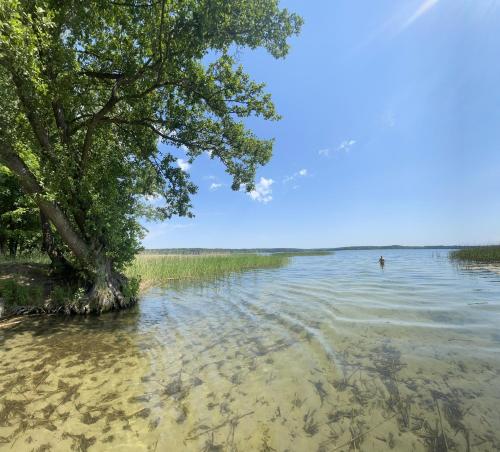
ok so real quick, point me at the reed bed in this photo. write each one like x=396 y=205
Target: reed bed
x=480 y=254
x=157 y=270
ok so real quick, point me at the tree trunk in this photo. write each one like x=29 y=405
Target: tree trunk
x=49 y=246
x=12 y=247
x=107 y=289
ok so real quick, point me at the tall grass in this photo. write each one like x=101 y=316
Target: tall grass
x=481 y=254
x=15 y=294
x=162 y=269
x=32 y=258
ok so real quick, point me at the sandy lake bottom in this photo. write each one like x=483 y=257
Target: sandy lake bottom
x=331 y=353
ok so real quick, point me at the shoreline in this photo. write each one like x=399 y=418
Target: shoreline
x=28 y=289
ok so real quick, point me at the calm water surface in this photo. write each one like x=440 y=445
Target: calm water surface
x=331 y=353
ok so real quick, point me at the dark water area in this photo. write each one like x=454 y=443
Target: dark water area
x=331 y=353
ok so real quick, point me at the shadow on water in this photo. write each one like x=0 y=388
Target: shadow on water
x=312 y=357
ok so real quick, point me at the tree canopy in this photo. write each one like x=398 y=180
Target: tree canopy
x=89 y=89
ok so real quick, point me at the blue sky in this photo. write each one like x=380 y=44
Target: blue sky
x=390 y=134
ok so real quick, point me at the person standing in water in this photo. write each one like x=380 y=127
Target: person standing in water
x=381 y=261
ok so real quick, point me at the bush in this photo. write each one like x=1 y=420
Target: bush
x=132 y=288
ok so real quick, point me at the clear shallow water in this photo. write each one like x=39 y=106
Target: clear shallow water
x=330 y=353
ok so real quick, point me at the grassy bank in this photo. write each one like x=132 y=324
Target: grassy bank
x=26 y=282
x=27 y=287
x=34 y=258
x=162 y=269
x=480 y=254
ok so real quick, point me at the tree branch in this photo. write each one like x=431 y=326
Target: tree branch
x=30 y=110
x=31 y=186
x=61 y=120
x=103 y=75
x=107 y=108
x=94 y=121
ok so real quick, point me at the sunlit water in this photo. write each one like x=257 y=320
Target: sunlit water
x=330 y=353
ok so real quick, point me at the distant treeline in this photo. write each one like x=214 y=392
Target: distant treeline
x=401 y=247
x=310 y=251
x=195 y=251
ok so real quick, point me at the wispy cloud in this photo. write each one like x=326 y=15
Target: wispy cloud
x=215 y=186
x=301 y=173
x=262 y=191
x=346 y=145
x=424 y=8
x=183 y=165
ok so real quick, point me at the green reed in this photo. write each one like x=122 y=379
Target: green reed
x=483 y=254
x=161 y=269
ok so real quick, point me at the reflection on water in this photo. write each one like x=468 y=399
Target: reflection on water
x=331 y=353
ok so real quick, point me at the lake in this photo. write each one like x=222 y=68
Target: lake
x=331 y=353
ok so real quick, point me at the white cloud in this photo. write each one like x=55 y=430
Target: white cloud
x=346 y=145
x=300 y=173
x=183 y=165
x=424 y=8
x=324 y=152
x=215 y=186
x=262 y=191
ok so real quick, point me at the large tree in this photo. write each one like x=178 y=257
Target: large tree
x=89 y=88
